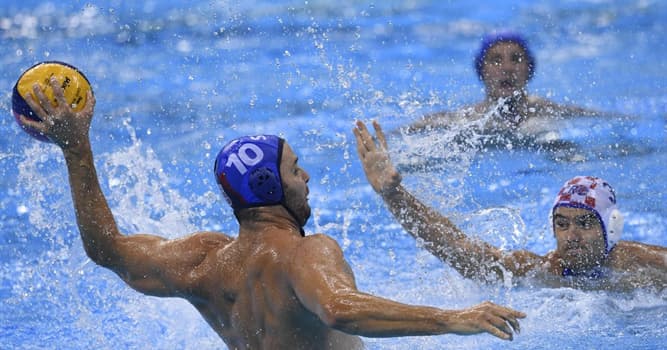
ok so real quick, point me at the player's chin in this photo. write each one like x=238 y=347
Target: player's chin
x=306 y=215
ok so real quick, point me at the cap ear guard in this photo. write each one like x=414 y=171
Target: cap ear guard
x=614 y=229
x=265 y=184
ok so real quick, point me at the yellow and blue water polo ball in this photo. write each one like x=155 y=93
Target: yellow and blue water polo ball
x=74 y=83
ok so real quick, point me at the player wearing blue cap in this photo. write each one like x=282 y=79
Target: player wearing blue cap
x=270 y=287
x=505 y=64
x=586 y=223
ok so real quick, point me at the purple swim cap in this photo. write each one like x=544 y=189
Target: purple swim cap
x=492 y=39
x=248 y=171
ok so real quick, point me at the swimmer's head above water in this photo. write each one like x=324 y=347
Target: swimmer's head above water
x=493 y=39
x=505 y=64
x=248 y=171
x=597 y=197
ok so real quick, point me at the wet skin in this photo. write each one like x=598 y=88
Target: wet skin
x=268 y=288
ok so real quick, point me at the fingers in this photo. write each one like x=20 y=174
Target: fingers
x=31 y=124
x=365 y=142
x=58 y=92
x=514 y=324
x=501 y=321
x=500 y=327
x=90 y=102
x=380 y=135
x=493 y=330
x=507 y=311
x=513 y=319
x=38 y=102
x=365 y=136
x=361 y=148
x=505 y=320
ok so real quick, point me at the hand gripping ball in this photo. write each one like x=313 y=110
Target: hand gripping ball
x=75 y=87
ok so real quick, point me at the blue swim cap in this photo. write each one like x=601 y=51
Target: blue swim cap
x=492 y=39
x=248 y=171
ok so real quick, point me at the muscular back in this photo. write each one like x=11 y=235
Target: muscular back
x=247 y=297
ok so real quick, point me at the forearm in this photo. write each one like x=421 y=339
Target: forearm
x=427 y=122
x=420 y=220
x=94 y=218
x=370 y=316
x=471 y=257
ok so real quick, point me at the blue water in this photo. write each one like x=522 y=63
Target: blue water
x=175 y=80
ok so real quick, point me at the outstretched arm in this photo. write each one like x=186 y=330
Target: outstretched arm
x=147 y=263
x=646 y=263
x=429 y=122
x=550 y=108
x=444 y=120
x=472 y=258
x=324 y=283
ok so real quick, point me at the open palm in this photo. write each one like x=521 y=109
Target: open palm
x=380 y=172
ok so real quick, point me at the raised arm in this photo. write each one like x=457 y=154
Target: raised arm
x=471 y=257
x=324 y=283
x=147 y=263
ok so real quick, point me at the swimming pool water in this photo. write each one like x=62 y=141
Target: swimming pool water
x=175 y=80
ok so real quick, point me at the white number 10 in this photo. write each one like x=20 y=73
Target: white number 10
x=245 y=158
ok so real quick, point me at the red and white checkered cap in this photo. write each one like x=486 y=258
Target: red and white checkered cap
x=595 y=194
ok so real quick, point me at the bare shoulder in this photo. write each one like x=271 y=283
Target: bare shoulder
x=319 y=244
x=539 y=101
x=545 y=107
x=168 y=267
x=462 y=113
x=205 y=239
x=541 y=105
x=319 y=252
x=628 y=254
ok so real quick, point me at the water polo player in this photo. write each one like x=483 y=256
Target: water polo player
x=270 y=287
x=505 y=64
x=586 y=222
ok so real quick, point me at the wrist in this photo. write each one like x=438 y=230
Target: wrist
x=390 y=191
x=446 y=319
x=393 y=186
x=76 y=149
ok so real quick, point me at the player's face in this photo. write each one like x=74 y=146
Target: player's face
x=295 y=185
x=580 y=242
x=505 y=69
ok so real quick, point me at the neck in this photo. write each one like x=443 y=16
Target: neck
x=511 y=109
x=276 y=216
x=516 y=99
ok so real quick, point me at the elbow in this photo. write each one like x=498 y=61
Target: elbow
x=338 y=314
x=330 y=315
x=100 y=257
